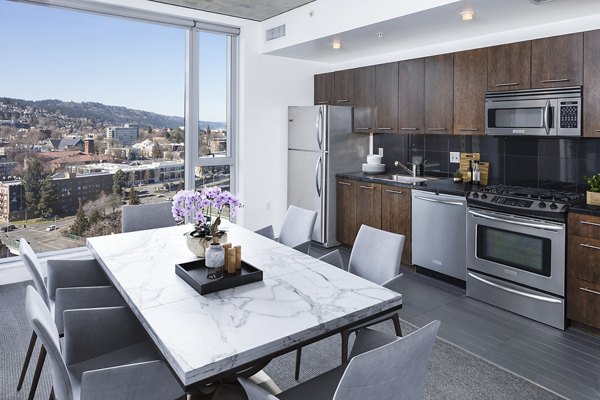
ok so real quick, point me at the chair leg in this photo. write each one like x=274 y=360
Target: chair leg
x=38 y=372
x=298 y=360
x=345 y=337
x=396 y=320
x=27 y=359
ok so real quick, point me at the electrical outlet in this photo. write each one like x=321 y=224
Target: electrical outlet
x=381 y=151
x=455 y=157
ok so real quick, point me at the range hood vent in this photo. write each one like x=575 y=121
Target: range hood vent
x=274 y=33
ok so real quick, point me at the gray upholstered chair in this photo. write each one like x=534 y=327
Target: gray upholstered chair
x=146 y=216
x=375 y=256
x=296 y=230
x=106 y=355
x=383 y=367
x=71 y=284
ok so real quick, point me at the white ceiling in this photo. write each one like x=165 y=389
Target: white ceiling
x=441 y=24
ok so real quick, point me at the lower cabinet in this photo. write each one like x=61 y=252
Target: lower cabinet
x=380 y=206
x=583 y=302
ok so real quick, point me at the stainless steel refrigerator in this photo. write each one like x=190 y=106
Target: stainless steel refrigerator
x=321 y=144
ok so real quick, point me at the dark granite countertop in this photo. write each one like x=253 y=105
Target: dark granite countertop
x=584 y=208
x=433 y=184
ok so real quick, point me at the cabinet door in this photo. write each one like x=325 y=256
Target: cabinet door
x=591 y=84
x=396 y=216
x=557 y=61
x=509 y=66
x=470 y=76
x=584 y=225
x=346 y=211
x=364 y=99
x=439 y=95
x=324 y=88
x=411 y=86
x=583 y=302
x=368 y=205
x=386 y=97
x=583 y=258
x=344 y=87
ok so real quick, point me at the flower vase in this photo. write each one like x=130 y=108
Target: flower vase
x=214 y=260
x=197 y=243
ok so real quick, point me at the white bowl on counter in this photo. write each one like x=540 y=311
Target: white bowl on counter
x=374 y=159
x=373 y=168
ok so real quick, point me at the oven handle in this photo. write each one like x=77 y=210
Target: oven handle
x=552 y=228
x=452 y=203
x=532 y=296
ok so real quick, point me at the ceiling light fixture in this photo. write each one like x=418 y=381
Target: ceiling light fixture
x=379 y=35
x=336 y=44
x=467 y=15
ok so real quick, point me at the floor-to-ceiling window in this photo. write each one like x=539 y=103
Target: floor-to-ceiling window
x=102 y=106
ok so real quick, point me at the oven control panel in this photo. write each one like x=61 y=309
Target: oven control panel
x=508 y=201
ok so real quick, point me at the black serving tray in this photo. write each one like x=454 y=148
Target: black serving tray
x=194 y=273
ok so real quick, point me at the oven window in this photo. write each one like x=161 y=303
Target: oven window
x=517 y=117
x=525 y=252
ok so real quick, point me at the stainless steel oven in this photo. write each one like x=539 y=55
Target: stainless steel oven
x=537 y=112
x=517 y=263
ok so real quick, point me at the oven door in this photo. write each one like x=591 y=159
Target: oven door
x=523 y=250
x=521 y=117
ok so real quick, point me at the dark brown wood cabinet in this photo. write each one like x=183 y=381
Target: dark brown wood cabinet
x=591 y=84
x=324 y=88
x=411 y=92
x=343 y=84
x=396 y=216
x=509 y=66
x=368 y=205
x=470 y=77
x=386 y=97
x=346 y=211
x=557 y=61
x=583 y=269
x=439 y=93
x=364 y=99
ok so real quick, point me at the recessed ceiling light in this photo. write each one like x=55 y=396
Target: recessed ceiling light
x=541 y=1
x=467 y=15
x=379 y=35
x=336 y=44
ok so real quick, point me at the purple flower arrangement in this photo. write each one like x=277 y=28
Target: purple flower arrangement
x=200 y=206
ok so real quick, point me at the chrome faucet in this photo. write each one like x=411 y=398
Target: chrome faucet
x=412 y=172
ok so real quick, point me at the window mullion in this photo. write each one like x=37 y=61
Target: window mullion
x=192 y=73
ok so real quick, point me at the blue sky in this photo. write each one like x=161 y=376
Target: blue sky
x=49 y=53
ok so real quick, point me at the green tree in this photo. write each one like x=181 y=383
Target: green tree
x=133 y=197
x=176 y=136
x=48 y=197
x=155 y=151
x=118 y=182
x=32 y=180
x=81 y=223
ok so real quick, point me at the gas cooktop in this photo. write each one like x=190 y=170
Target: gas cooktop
x=537 y=202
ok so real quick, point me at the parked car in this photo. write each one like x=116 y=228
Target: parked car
x=51 y=228
x=8 y=228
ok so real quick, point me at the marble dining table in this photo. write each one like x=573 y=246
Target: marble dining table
x=202 y=337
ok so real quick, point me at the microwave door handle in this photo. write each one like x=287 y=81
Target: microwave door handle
x=546 y=117
x=552 y=228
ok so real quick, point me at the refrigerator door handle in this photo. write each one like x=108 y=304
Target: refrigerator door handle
x=320 y=128
x=317 y=174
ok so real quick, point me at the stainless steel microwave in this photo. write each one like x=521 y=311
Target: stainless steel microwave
x=536 y=112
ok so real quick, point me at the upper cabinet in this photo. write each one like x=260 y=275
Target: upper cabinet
x=324 y=88
x=470 y=77
x=557 y=61
x=591 y=84
x=411 y=95
x=386 y=97
x=364 y=99
x=439 y=95
x=335 y=88
x=509 y=66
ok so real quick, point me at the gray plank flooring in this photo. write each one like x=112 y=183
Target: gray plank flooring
x=565 y=362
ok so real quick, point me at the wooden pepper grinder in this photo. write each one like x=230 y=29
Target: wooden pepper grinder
x=230 y=260
x=238 y=258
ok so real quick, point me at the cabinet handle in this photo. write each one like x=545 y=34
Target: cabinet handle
x=384 y=129
x=589 y=223
x=597 y=130
x=323 y=102
x=436 y=129
x=589 y=246
x=555 y=80
x=343 y=101
x=589 y=291
x=345 y=183
x=367 y=187
x=393 y=191
x=469 y=129
x=507 y=84
x=409 y=129
x=361 y=129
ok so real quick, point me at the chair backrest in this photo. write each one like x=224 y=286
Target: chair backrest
x=376 y=254
x=146 y=216
x=395 y=371
x=297 y=227
x=35 y=269
x=255 y=392
x=43 y=325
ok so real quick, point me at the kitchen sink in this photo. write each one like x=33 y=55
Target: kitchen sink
x=401 y=178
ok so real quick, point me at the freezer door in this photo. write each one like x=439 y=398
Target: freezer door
x=307 y=128
x=307 y=186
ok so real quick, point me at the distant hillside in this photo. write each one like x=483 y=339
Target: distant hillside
x=107 y=115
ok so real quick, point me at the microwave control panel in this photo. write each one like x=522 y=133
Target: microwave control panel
x=569 y=111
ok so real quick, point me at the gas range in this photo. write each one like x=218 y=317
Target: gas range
x=519 y=200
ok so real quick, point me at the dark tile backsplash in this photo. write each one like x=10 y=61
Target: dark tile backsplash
x=537 y=162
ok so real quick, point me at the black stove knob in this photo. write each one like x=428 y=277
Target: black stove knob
x=553 y=206
x=475 y=195
x=484 y=196
x=542 y=204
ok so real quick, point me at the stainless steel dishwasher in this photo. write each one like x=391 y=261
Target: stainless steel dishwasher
x=439 y=233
